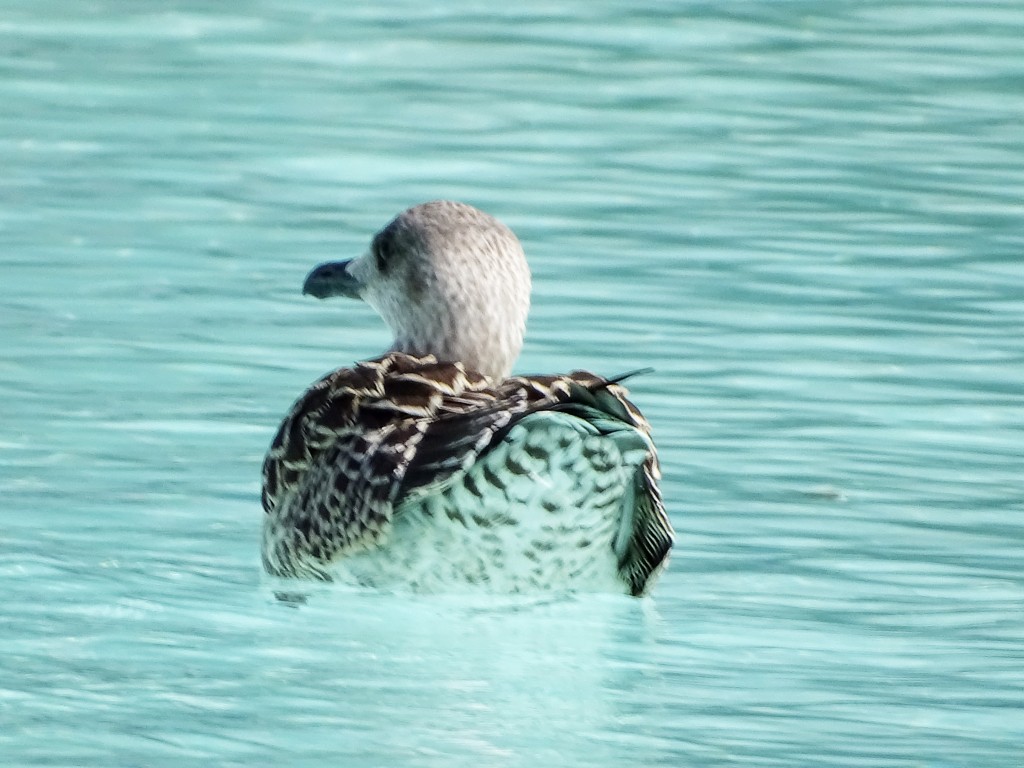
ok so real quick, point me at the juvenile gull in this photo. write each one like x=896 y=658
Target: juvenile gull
x=430 y=468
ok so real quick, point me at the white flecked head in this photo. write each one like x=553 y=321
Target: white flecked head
x=448 y=279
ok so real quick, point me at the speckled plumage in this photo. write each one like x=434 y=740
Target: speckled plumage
x=416 y=470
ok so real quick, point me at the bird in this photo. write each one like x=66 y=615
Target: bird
x=431 y=468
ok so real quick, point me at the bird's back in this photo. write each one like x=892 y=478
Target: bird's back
x=410 y=473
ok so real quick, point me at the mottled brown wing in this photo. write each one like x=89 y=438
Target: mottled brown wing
x=368 y=399
x=337 y=466
x=343 y=502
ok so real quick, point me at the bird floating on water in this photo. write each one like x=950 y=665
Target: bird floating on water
x=431 y=468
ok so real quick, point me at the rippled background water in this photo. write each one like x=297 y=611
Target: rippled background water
x=808 y=217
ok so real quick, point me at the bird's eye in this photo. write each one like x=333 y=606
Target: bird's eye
x=383 y=250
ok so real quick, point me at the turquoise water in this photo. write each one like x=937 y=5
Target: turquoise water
x=807 y=217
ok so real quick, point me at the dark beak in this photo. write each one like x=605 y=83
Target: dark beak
x=332 y=279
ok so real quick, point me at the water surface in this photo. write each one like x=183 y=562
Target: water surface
x=806 y=217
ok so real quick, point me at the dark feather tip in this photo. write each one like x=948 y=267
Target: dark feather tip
x=628 y=375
